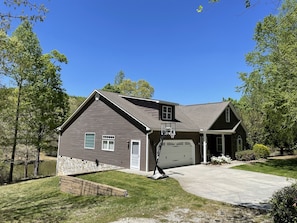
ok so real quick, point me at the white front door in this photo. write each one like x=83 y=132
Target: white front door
x=135 y=154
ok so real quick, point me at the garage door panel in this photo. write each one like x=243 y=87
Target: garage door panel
x=177 y=153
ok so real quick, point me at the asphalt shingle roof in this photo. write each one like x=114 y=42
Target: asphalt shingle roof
x=189 y=118
x=205 y=115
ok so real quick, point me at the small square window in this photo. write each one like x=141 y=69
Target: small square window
x=166 y=112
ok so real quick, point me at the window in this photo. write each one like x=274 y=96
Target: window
x=219 y=144
x=108 y=142
x=239 y=143
x=227 y=113
x=166 y=112
x=89 y=140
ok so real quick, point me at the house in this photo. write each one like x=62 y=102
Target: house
x=111 y=131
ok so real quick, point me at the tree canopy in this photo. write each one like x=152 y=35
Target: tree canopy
x=140 y=88
x=20 y=10
x=40 y=104
x=270 y=89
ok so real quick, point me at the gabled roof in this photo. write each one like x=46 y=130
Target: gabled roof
x=183 y=124
x=206 y=114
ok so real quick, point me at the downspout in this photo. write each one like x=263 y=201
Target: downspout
x=147 y=150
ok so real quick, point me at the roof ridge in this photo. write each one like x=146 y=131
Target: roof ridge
x=209 y=103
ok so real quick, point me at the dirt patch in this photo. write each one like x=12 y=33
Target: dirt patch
x=283 y=157
x=179 y=215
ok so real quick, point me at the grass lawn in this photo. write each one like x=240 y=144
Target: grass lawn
x=41 y=200
x=280 y=167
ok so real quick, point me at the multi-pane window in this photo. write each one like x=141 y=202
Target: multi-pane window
x=227 y=114
x=89 y=142
x=166 y=112
x=108 y=142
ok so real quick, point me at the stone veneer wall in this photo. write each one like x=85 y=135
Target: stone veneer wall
x=71 y=166
x=82 y=187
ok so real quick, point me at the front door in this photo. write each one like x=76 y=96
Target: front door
x=135 y=154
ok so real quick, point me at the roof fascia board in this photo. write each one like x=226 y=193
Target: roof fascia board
x=146 y=127
x=219 y=115
x=60 y=128
x=223 y=131
x=88 y=99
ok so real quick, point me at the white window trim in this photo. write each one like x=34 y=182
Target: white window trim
x=168 y=115
x=227 y=114
x=239 y=143
x=90 y=133
x=108 y=139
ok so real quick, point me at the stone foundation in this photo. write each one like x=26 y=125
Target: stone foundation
x=72 y=166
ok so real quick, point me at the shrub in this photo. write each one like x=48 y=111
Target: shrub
x=220 y=159
x=283 y=204
x=245 y=155
x=261 y=151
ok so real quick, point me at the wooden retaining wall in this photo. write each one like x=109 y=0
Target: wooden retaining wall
x=77 y=186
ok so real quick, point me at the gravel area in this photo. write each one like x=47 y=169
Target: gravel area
x=234 y=214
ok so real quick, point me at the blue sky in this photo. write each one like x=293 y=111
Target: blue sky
x=188 y=57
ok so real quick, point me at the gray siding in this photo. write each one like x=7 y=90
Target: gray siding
x=101 y=119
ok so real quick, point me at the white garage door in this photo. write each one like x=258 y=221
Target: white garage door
x=177 y=153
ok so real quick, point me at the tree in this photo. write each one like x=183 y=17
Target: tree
x=128 y=87
x=22 y=10
x=20 y=53
x=47 y=102
x=270 y=89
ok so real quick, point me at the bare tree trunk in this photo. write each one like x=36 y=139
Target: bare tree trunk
x=16 y=128
x=37 y=160
x=26 y=164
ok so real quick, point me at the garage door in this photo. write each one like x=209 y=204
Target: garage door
x=177 y=153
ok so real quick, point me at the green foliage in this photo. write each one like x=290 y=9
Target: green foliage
x=261 y=151
x=20 y=10
x=141 y=88
x=41 y=103
x=284 y=205
x=269 y=91
x=245 y=155
x=74 y=103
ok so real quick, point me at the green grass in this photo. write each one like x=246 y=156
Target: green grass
x=41 y=200
x=279 y=167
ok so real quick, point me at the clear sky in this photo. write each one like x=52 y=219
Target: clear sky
x=188 y=57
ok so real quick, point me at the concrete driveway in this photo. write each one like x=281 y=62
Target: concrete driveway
x=232 y=186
